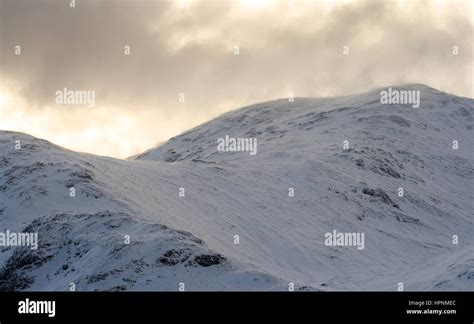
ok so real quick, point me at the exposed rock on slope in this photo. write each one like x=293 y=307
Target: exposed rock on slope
x=408 y=239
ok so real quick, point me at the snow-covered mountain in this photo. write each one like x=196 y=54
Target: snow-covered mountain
x=186 y=204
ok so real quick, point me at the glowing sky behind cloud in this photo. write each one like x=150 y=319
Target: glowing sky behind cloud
x=188 y=47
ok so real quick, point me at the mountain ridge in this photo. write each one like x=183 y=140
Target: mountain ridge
x=281 y=237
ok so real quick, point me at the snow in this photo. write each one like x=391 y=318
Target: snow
x=408 y=239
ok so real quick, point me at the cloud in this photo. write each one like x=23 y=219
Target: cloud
x=189 y=50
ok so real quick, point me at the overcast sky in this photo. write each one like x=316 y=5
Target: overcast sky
x=188 y=47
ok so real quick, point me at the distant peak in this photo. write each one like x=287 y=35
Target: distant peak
x=409 y=86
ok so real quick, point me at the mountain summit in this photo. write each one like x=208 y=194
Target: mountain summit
x=342 y=193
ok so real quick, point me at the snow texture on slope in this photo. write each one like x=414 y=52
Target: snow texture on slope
x=190 y=239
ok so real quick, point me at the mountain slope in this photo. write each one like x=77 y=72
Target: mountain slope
x=83 y=239
x=408 y=239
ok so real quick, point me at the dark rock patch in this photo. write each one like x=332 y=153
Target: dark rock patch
x=174 y=257
x=207 y=260
x=381 y=195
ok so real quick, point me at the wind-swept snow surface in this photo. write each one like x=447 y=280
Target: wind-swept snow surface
x=188 y=215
